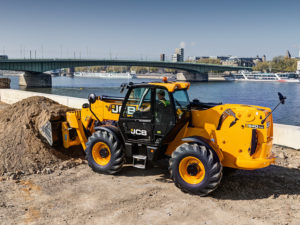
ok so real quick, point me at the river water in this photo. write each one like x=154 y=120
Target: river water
x=253 y=93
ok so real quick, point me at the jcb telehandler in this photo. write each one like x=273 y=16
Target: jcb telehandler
x=157 y=120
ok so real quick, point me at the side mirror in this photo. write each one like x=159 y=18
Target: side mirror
x=281 y=98
x=281 y=101
x=125 y=85
x=92 y=98
x=122 y=87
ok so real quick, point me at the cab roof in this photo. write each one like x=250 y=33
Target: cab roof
x=172 y=86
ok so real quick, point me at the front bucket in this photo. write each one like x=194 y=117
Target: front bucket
x=51 y=131
x=46 y=132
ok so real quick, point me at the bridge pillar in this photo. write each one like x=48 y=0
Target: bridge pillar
x=70 y=72
x=4 y=83
x=192 y=76
x=34 y=79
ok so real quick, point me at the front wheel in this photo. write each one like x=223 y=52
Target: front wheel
x=195 y=169
x=104 y=152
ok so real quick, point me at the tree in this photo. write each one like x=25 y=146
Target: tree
x=278 y=64
x=262 y=66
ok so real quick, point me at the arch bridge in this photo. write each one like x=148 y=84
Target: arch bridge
x=34 y=69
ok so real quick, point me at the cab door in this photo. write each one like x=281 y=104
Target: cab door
x=136 y=119
x=179 y=114
x=164 y=114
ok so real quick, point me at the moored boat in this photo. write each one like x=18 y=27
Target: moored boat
x=257 y=76
x=104 y=75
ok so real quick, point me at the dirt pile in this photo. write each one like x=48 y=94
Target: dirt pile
x=3 y=105
x=22 y=148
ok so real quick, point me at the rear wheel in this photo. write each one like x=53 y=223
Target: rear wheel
x=195 y=169
x=104 y=153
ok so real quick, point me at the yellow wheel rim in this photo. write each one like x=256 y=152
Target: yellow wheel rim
x=191 y=170
x=101 y=153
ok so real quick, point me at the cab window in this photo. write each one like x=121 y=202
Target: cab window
x=181 y=99
x=162 y=97
x=138 y=104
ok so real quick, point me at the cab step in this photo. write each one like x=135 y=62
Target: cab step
x=139 y=161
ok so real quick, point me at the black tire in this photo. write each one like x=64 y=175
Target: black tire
x=115 y=149
x=209 y=161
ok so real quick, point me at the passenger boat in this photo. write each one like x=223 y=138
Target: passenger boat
x=104 y=75
x=256 y=76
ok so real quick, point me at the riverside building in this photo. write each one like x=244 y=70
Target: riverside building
x=180 y=53
x=175 y=58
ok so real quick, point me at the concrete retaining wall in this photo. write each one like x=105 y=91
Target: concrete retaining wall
x=192 y=76
x=284 y=135
x=287 y=135
x=11 y=96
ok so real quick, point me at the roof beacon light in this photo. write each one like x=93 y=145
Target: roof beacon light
x=165 y=79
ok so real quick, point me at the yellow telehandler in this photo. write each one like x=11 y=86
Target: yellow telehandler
x=157 y=120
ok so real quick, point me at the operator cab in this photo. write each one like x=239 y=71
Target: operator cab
x=151 y=116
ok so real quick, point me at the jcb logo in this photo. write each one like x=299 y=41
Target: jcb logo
x=138 y=132
x=130 y=110
x=116 y=109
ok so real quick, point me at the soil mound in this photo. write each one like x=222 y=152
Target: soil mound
x=22 y=147
x=2 y=106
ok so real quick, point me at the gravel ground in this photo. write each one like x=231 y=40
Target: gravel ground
x=74 y=194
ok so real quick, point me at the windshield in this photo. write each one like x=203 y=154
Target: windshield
x=181 y=99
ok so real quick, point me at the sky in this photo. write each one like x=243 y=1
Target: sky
x=131 y=29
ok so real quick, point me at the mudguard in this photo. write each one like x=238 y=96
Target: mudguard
x=111 y=129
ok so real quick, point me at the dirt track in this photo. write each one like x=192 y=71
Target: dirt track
x=79 y=196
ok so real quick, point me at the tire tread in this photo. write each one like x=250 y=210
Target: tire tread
x=116 y=148
x=214 y=167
